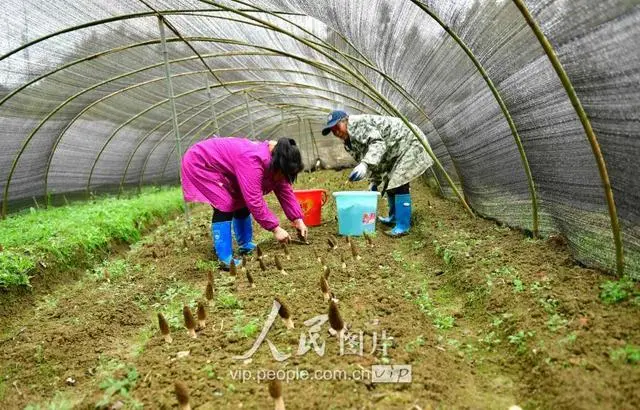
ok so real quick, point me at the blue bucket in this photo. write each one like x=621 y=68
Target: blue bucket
x=356 y=212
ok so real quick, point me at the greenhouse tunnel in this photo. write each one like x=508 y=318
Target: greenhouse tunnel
x=531 y=108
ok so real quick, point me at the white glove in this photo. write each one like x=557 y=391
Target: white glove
x=358 y=172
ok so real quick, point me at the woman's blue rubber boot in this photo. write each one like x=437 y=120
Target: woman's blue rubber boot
x=391 y=219
x=243 y=229
x=403 y=216
x=222 y=243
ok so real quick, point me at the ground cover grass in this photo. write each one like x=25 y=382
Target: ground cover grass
x=64 y=237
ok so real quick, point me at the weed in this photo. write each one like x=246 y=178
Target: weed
x=210 y=371
x=618 y=291
x=629 y=354
x=173 y=299
x=118 y=386
x=556 y=322
x=520 y=340
x=504 y=274
x=397 y=256
x=245 y=329
x=412 y=345
x=417 y=245
x=444 y=322
x=536 y=287
x=448 y=252
x=206 y=266
x=426 y=306
x=59 y=402
x=424 y=302
x=140 y=343
x=38 y=356
x=518 y=286
x=117 y=268
x=549 y=304
x=15 y=269
x=570 y=339
x=228 y=301
x=491 y=340
x=49 y=302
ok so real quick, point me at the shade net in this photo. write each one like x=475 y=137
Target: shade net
x=85 y=107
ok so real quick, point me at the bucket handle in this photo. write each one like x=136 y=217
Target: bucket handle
x=324 y=197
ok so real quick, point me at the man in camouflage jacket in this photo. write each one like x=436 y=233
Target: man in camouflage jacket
x=389 y=153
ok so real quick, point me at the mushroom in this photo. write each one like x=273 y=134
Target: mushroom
x=286 y=251
x=343 y=261
x=182 y=394
x=368 y=238
x=250 y=278
x=164 y=328
x=259 y=251
x=202 y=315
x=324 y=287
x=354 y=251
x=335 y=320
x=275 y=391
x=285 y=314
x=276 y=258
x=189 y=321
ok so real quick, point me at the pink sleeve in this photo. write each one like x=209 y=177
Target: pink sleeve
x=249 y=174
x=288 y=201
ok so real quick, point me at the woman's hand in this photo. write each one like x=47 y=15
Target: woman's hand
x=281 y=235
x=302 y=228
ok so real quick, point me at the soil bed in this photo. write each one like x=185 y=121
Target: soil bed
x=486 y=318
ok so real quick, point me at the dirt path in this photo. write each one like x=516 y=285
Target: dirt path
x=485 y=317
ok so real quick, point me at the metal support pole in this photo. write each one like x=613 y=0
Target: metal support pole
x=306 y=141
x=253 y=131
x=167 y=71
x=213 y=109
x=313 y=139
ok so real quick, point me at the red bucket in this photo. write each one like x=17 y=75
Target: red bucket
x=311 y=201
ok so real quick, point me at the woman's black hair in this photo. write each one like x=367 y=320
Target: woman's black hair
x=287 y=159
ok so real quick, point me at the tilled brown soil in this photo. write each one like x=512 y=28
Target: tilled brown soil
x=485 y=317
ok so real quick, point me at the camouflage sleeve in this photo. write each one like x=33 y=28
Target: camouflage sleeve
x=375 y=178
x=376 y=148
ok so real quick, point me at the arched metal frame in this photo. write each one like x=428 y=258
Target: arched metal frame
x=246 y=13
x=316 y=64
x=143 y=139
x=238 y=107
x=588 y=129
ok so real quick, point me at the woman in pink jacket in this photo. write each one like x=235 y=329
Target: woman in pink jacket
x=232 y=175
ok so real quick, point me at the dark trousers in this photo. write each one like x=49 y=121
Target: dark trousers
x=221 y=216
x=402 y=189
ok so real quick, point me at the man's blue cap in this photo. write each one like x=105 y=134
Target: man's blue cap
x=333 y=118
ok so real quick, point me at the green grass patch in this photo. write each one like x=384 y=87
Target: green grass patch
x=59 y=402
x=629 y=354
x=173 y=299
x=243 y=327
x=613 y=292
x=228 y=301
x=426 y=305
x=70 y=235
